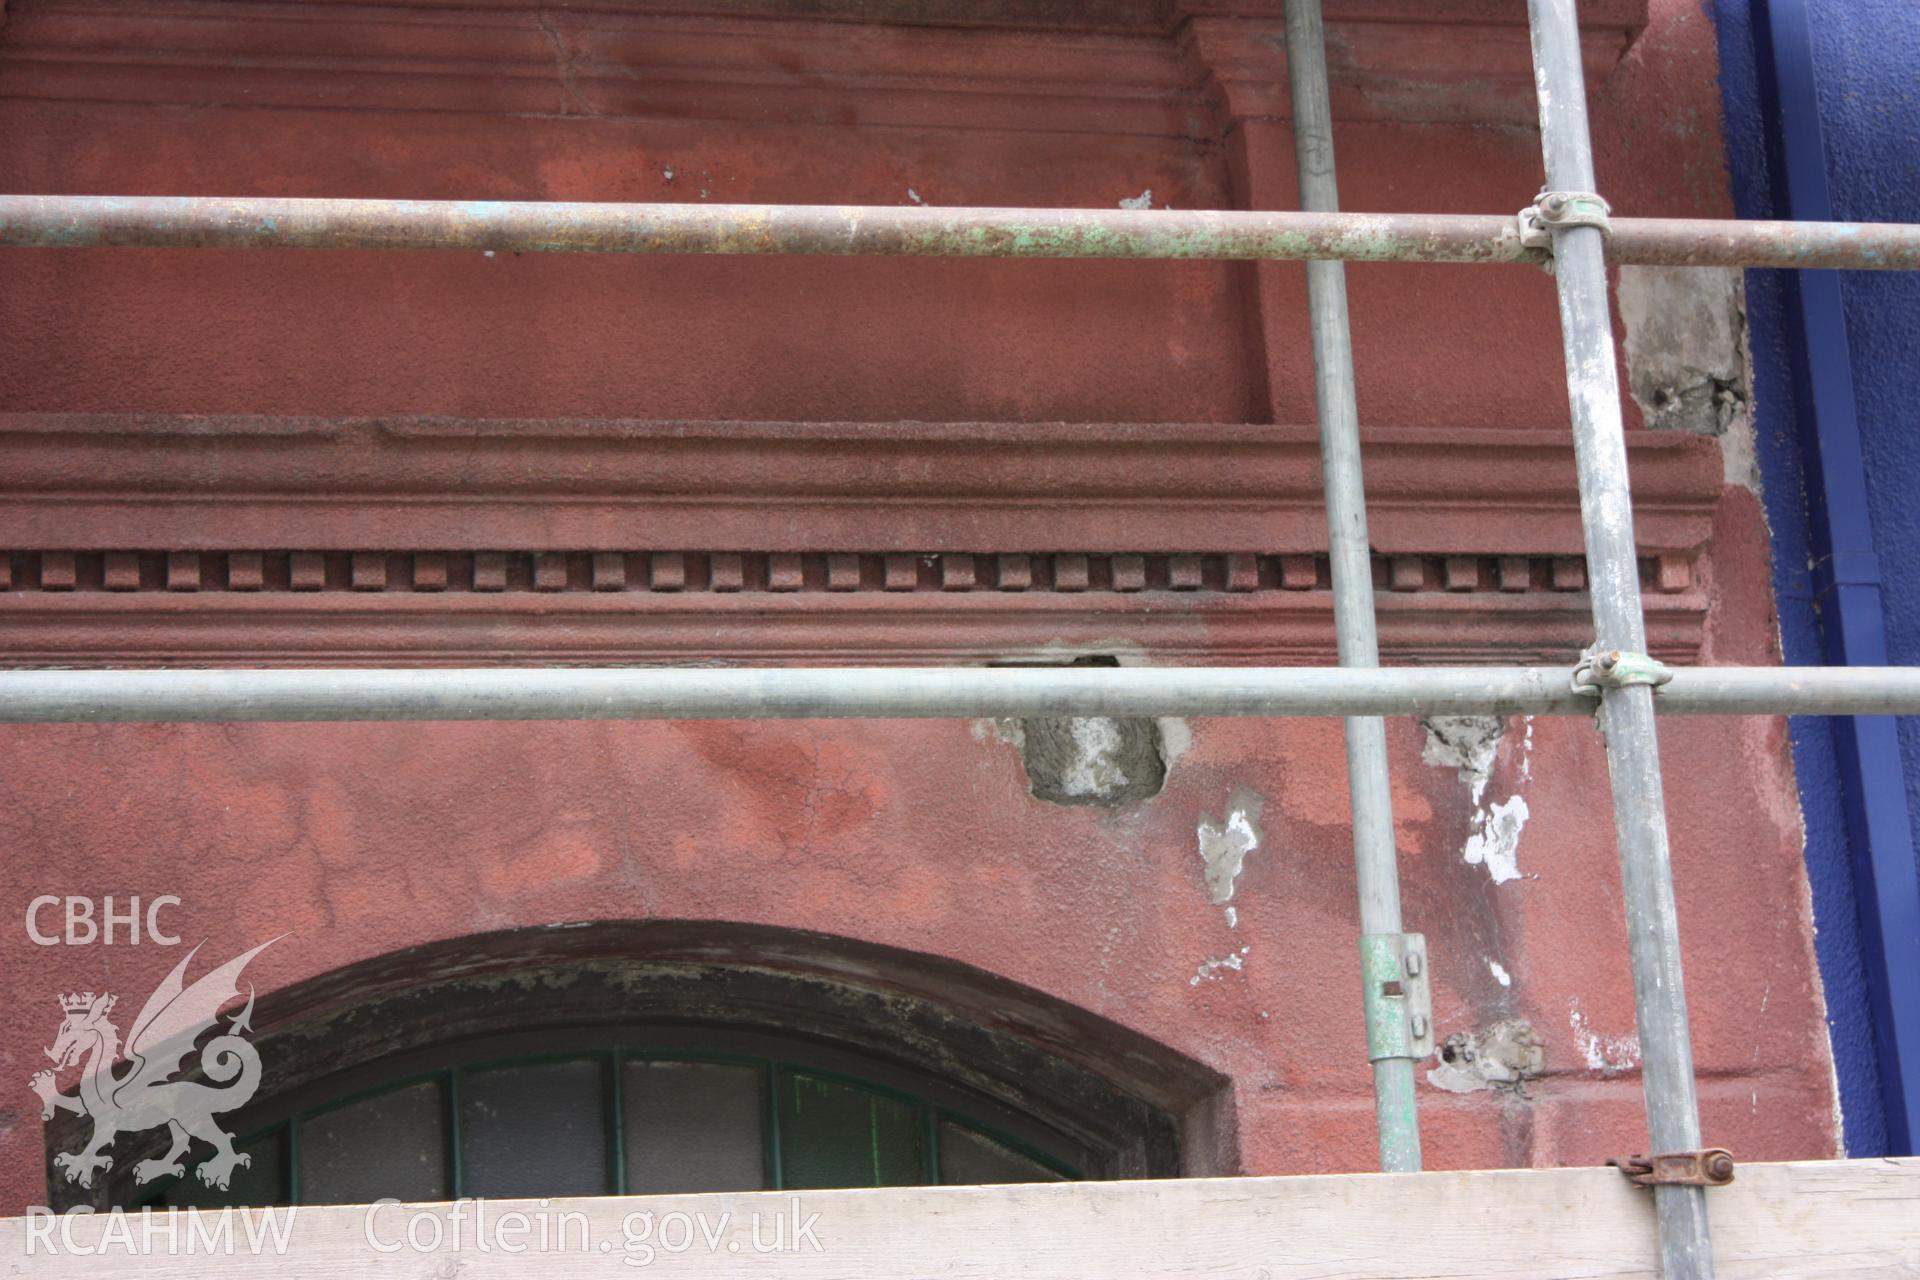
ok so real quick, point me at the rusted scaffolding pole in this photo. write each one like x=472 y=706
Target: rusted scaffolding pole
x=1626 y=708
x=210 y=222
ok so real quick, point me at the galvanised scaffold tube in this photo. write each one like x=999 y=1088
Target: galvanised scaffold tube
x=1350 y=556
x=222 y=222
x=909 y=693
x=1627 y=716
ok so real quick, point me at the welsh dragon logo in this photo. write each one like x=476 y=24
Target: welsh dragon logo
x=143 y=1095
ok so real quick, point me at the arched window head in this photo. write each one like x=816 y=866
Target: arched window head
x=669 y=1057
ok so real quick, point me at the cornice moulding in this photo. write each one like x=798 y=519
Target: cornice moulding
x=813 y=629
x=1118 y=69
x=184 y=483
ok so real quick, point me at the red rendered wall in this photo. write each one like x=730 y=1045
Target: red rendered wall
x=364 y=839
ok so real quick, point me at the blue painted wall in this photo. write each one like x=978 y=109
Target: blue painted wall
x=1867 y=55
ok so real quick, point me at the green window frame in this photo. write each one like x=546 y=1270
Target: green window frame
x=280 y=1145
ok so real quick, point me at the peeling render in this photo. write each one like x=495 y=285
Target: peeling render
x=1495 y=842
x=1210 y=969
x=1225 y=844
x=1602 y=1053
x=1503 y=1057
x=1466 y=743
x=1470 y=744
x=1689 y=367
x=1090 y=760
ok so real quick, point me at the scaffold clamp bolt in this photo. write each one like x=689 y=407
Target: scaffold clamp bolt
x=1617 y=669
x=1708 y=1167
x=1558 y=210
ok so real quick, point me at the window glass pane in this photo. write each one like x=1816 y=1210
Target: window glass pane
x=693 y=1126
x=969 y=1156
x=392 y=1144
x=535 y=1130
x=261 y=1182
x=835 y=1134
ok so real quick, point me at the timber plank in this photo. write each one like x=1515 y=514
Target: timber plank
x=1816 y=1218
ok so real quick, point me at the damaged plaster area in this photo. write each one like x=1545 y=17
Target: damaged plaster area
x=1092 y=760
x=1495 y=840
x=1225 y=844
x=1608 y=1054
x=1688 y=364
x=1464 y=743
x=1209 y=970
x=1502 y=1058
x=1468 y=745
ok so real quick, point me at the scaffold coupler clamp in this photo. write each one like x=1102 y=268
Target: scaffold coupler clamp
x=1399 y=1000
x=1618 y=669
x=1707 y=1167
x=1557 y=210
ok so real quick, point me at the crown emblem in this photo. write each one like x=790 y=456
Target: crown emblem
x=77 y=1002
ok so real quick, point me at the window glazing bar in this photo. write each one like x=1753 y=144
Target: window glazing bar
x=219 y=222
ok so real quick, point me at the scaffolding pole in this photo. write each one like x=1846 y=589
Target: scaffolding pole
x=1627 y=716
x=221 y=222
x=911 y=693
x=1376 y=860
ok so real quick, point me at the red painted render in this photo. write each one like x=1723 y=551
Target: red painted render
x=364 y=839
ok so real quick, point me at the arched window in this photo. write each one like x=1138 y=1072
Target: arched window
x=569 y=1114
x=680 y=1056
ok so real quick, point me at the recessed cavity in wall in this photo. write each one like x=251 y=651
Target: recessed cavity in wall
x=1093 y=760
x=1465 y=743
x=1502 y=1057
x=1689 y=367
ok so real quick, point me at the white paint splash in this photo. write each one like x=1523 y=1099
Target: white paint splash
x=1466 y=744
x=1233 y=918
x=1602 y=1053
x=1470 y=745
x=1209 y=970
x=1142 y=201
x=1499 y=972
x=1224 y=848
x=914 y=196
x=1495 y=840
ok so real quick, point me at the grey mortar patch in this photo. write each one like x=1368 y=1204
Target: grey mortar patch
x=1466 y=743
x=1503 y=1058
x=1688 y=363
x=1093 y=760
